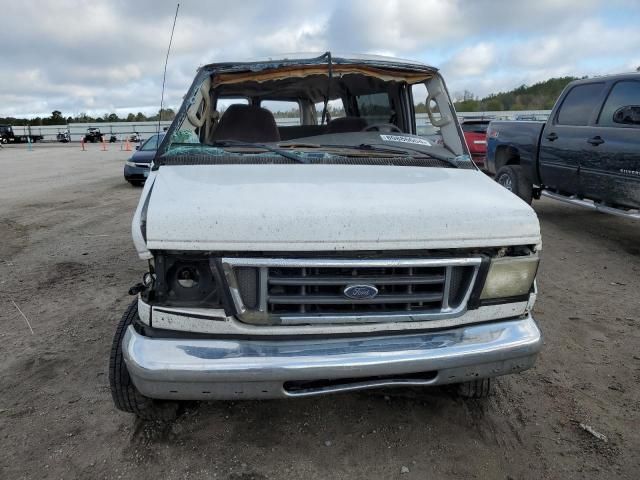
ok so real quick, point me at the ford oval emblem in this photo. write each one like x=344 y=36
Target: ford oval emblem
x=360 y=292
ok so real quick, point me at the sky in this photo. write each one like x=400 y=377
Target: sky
x=107 y=56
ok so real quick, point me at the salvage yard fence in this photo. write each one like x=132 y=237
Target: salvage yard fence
x=144 y=129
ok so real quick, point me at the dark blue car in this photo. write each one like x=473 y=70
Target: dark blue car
x=136 y=169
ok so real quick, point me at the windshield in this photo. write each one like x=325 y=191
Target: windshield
x=316 y=117
x=153 y=142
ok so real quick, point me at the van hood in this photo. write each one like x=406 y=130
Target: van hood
x=330 y=207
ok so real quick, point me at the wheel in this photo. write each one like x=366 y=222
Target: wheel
x=4 y=140
x=480 y=388
x=513 y=179
x=125 y=395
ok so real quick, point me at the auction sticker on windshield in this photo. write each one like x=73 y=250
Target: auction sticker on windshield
x=403 y=139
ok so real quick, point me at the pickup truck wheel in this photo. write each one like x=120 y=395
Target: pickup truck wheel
x=125 y=395
x=480 y=388
x=512 y=178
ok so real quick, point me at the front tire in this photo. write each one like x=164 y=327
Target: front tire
x=480 y=388
x=513 y=179
x=124 y=393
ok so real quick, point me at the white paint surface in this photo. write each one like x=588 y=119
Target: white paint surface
x=331 y=207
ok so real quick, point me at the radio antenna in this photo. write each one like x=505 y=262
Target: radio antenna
x=166 y=60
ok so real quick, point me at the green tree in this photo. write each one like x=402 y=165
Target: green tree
x=56 y=117
x=539 y=96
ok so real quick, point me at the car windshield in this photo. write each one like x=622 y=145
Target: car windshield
x=152 y=142
x=313 y=115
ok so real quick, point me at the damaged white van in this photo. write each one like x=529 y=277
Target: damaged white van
x=329 y=252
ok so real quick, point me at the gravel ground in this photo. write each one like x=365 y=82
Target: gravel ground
x=67 y=260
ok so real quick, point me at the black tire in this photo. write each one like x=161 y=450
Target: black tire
x=513 y=179
x=125 y=395
x=480 y=388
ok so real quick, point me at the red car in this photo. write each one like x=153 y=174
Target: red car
x=475 y=133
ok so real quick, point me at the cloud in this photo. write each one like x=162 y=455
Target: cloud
x=99 y=57
x=472 y=60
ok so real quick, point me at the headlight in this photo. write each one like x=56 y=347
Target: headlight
x=510 y=277
x=130 y=163
x=185 y=280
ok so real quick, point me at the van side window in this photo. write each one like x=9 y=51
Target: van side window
x=225 y=102
x=623 y=94
x=578 y=105
x=335 y=109
x=376 y=108
x=424 y=127
x=286 y=113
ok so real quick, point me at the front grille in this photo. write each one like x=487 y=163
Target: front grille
x=308 y=290
x=320 y=290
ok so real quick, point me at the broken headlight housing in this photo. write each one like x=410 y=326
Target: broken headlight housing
x=185 y=281
x=510 y=277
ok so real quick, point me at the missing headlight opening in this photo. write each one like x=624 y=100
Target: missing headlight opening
x=184 y=280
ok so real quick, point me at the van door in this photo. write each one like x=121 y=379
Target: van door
x=613 y=163
x=563 y=141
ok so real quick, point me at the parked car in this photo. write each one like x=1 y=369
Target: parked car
x=475 y=134
x=353 y=255
x=587 y=153
x=136 y=168
x=93 y=135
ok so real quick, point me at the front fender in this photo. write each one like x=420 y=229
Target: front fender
x=138 y=223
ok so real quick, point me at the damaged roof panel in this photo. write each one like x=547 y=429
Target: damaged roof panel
x=307 y=64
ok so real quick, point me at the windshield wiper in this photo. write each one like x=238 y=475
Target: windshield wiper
x=453 y=161
x=382 y=148
x=278 y=151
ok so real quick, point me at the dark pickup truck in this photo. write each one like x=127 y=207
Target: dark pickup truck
x=587 y=153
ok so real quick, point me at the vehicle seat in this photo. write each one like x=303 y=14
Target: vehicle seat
x=346 y=124
x=247 y=123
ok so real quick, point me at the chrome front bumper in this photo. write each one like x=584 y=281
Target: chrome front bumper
x=197 y=369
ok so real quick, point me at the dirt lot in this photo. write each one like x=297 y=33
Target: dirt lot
x=67 y=260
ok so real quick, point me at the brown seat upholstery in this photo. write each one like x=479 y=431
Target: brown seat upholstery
x=346 y=124
x=247 y=123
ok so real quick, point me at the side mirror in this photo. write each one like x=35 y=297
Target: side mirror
x=137 y=147
x=627 y=115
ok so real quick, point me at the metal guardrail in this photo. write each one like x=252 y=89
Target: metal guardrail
x=78 y=130
x=144 y=129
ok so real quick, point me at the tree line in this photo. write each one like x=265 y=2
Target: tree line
x=539 y=96
x=57 y=118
